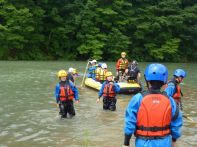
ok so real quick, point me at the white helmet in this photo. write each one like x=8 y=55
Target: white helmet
x=93 y=61
x=70 y=69
x=104 y=65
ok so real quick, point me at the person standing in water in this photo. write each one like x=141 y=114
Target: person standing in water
x=172 y=87
x=108 y=91
x=72 y=74
x=151 y=115
x=65 y=93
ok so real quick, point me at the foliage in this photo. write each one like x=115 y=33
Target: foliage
x=147 y=30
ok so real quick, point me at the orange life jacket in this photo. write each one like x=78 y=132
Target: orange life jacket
x=177 y=95
x=154 y=116
x=108 y=91
x=123 y=63
x=66 y=93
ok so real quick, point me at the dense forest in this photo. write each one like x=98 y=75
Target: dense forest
x=148 y=30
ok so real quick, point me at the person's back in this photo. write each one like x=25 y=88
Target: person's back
x=151 y=115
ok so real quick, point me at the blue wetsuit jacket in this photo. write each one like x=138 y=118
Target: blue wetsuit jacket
x=91 y=72
x=170 y=89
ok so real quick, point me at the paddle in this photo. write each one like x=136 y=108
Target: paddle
x=187 y=117
x=82 y=83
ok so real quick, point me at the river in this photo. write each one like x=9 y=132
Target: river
x=28 y=116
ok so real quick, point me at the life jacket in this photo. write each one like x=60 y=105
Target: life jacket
x=66 y=92
x=102 y=74
x=123 y=63
x=108 y=91
x=97 y=73
x=177 y=94
x=154 y=115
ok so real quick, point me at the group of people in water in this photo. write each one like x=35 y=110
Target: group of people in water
x=153 y=115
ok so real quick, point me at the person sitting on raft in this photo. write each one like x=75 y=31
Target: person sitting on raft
x=65 y=92
x=121 y=66
x=91 y=69
x=72 y=74
x=98 y=71
x=172 y=87
x=108 y=91
x=133 y=72
x=102 y=73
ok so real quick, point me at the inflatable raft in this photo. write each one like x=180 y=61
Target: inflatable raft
x=124 y=87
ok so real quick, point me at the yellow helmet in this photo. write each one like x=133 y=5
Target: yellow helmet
x=123 y=53
x=61 y=73
x=108 y=74
x=74 y=71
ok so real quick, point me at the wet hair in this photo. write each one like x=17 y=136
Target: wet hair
x=156 y=84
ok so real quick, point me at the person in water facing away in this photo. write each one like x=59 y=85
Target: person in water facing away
x=151 y=115
x=65 y=92
x=172 y=87
x=108 y=91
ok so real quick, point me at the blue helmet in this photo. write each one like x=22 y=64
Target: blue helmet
x=180 y=73
x=99 y=64
x=157 y=72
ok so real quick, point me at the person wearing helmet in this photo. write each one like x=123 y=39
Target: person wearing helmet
x=72 y=74
x=102 y=73
x=97 y=71
x=151 y=115
x=65 y=93
x=121 y=66
x=91 y=69
x=108 y=91
x=133 y=72
x=172 y=87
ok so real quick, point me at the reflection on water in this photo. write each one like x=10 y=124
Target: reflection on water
x=30 y=118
